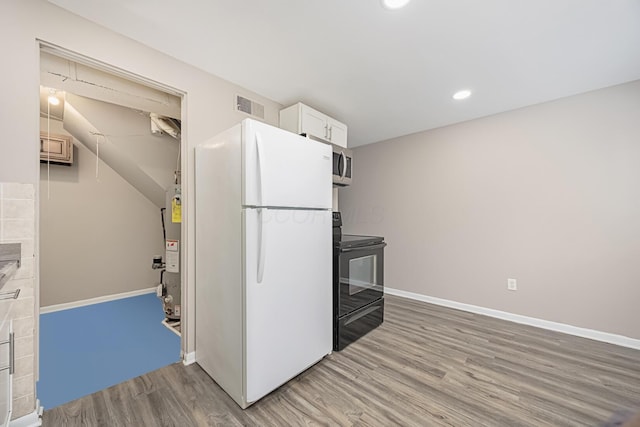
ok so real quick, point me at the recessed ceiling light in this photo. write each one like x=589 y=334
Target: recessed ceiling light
x=394 y=4
x=462 y=94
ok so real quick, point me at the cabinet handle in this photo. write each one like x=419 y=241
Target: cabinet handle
x=330 y=133
x=326 y=131
x=10 y=295
x=12 y=355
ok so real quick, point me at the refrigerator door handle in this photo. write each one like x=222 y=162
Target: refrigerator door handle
x=260 y=167
x=262 y=245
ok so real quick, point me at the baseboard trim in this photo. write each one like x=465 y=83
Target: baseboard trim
x=96 y=300
x=32 y=419
x=166 y=324
x=189 y=358
x=525 y=320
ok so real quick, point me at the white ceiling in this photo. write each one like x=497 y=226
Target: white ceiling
x=390 y=73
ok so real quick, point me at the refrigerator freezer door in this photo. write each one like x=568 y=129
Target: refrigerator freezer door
x=289 y=311
x=282 y=169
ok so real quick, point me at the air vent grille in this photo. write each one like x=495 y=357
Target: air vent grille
x=247 y=106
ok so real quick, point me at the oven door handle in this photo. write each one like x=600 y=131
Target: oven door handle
x=360 y=248
x=364 y=313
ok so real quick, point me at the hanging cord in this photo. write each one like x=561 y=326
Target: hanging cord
x=164 y=230
x=98 y=135
x=177 y=172
x=97 y=157
x=48 y=150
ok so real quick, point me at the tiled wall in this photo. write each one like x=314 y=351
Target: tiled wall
x=17 y=225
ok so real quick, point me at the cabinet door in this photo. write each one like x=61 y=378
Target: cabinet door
x=313 y=123
x=5 y=374
x=337 y=133
x=5 y=397
x=56 y=148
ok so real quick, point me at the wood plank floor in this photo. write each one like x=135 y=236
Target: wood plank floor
x=425 y=366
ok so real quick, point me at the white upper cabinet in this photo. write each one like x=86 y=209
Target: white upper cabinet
x=300 y=118
x=337 y=132
x=311 y=122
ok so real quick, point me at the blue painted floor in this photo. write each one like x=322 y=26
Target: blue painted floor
x=87 y=349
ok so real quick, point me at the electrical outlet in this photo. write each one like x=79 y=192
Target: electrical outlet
x=512 y=285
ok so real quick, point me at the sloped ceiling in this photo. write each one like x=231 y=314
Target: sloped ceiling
x=145 y=161
x=100 y=108
x=390 y=73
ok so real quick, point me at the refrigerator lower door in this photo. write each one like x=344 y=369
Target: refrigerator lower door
x=288 y=295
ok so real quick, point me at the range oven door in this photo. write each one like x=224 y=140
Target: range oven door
x=360 y=277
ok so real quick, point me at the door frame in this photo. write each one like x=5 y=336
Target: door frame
x=44 y=46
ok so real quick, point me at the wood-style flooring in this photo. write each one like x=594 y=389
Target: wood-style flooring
x=425 y=366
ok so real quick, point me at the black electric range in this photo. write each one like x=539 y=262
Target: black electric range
x=358 y=284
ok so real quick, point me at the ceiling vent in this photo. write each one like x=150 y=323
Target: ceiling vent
x=247 y=106
x=163 y=124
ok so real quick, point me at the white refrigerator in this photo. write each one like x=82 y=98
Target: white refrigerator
x=263 y=200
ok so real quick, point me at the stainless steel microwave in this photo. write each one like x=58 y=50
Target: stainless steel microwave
x=342 y=166
x=342 y=162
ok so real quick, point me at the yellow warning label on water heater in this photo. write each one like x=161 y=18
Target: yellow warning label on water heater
x=176 y=210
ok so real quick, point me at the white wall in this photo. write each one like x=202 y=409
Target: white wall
x=97 y=235
x=208 y=107
x=548 y=195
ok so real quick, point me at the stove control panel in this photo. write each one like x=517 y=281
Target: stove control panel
x=337 y=219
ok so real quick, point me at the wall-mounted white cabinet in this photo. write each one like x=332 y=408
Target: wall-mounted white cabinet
x=302 y=119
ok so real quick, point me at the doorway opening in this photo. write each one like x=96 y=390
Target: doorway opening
x=111 y=276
